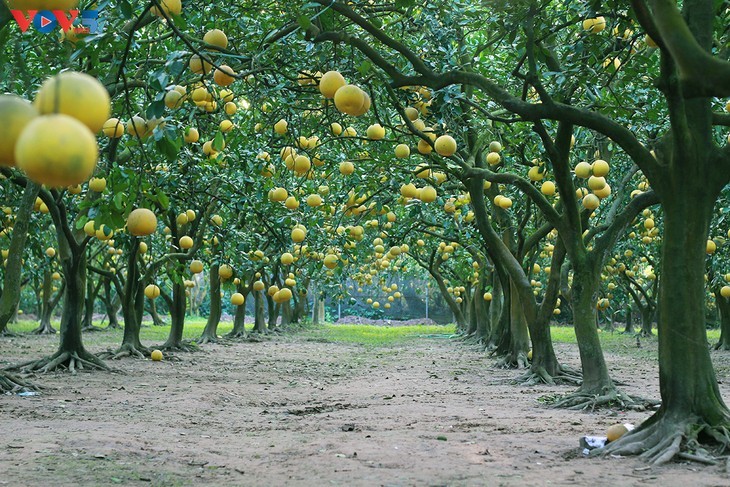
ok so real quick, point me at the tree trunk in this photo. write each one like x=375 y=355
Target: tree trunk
x=723 y=305
x=87 y=323
x=647 y=317
x=48 y=304
x=133 y=307
x=13 y=265
x=500 y=335
x=259 y=325
x=596 y=379
x=286 y=313
x=156 y=318
x=112 y=305
x=273 y=310
x=519 y=338
x=210 y=332
x=629 y=320
x=688 y=385
x=239 y=317
x=177 y=318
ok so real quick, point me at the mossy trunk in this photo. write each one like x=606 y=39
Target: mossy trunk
x=259 y=324
x=596 y=379
x=519 y=337
x=48 y=304
x=156 y=318
x=112 y=305
x=723 y=305
x=499 y=340
x=10 y=297
x=74 y=271
x=647 y=319
x=133 y=301
x=239 y=317
x=177 y=316
x=273 y=310
x=629 y=320
x=210 y=332
x=687 y=380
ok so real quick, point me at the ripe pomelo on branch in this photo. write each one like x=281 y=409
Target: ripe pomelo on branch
x=141 y=222
x=75 y=94
x=57 y=150
x=15 y=113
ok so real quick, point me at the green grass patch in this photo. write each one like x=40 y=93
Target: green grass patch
x=377 y=336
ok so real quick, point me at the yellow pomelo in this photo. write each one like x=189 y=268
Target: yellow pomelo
x=428 y=194
x=583 y=170
x=347 y=168
x=330 y=82
x=191 y=135
x=152 y=291
x=237 y=299
x=287 y=258
x=156 y=356
x=591 y=201
x=548 y=188
x=169 y=7
x=186 y=242
x=258 y=286
x=445 y=146
x=330 y=261
x=173 y=99
x=349 y=99
x=375 y=132
x=616 y=431
x=113 y=128
x=216 y=37
x=141 y=222
x=314 y=200
x=15 y=113
x=57 y=150
x=97 y=185
x=725 y=292
x=224 y=76
x=402 y=151
x=600 y=168
x=298 y=235
x=196 y=267
x=198 y=65
x=225 y=271
x=75 y=94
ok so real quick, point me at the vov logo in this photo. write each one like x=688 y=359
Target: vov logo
x=46 y=21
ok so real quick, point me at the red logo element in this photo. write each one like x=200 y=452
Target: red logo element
x=64 y=19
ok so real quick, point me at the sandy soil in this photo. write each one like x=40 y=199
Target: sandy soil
x=294 y=411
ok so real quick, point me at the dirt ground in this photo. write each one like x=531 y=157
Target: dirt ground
x=297 y=411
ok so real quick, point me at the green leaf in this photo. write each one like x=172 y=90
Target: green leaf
x=126 y=8
x=304 y=22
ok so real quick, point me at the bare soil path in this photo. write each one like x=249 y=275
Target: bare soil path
x=298 y=411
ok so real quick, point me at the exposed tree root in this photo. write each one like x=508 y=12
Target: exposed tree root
x=71 y=361
x=609 y=397
x=539 y=375
x=10 y=384
x=126 y=350
x=44 y=330
x=92 y=328
x=207 y=339
x=9 y=334
x=660 y=441
x=180 y=347
x=513 y=361
x=236 y=335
